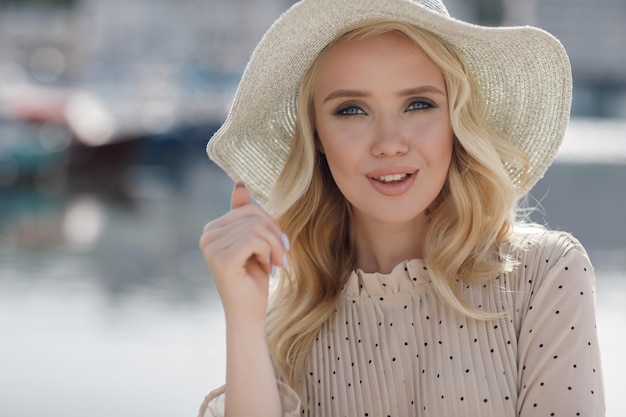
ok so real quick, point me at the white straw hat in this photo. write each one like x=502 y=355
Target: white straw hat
x=523 y=72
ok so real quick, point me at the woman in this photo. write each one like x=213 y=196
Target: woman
x=388 y=145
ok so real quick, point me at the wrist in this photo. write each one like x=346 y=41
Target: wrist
x=242 y=326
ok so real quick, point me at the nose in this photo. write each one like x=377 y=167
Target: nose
x=389 y=137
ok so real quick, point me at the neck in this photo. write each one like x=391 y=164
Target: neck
x=382 y=246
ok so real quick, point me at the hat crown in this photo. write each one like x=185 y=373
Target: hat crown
x=434 y=5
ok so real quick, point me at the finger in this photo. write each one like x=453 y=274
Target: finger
x=250 y=216
x=240 y=196
x=250 y=238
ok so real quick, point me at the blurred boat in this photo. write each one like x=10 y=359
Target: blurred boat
x=90 y=135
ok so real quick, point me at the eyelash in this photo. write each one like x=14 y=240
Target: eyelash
x=424 y=105
x=342 y=110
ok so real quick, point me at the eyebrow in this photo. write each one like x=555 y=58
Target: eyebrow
x=360 y=94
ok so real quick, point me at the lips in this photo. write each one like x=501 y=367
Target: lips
x=391 y=174
x=391 y=178
x=392 y=181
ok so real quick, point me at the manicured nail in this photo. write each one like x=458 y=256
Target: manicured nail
x=240 y=184
x=285 y=240
x=273 y=271
x=285 y=263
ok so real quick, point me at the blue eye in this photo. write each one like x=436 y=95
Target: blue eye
x=420 y=105
x=349 y=110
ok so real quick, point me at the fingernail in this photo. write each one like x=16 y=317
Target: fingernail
x=285 y=263
x=273 y=271
x=240 y=184
x=285 y=240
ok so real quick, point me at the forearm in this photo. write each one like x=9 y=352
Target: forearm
x=251 y=387
x=240 y=249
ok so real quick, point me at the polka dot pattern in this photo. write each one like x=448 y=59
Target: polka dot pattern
x=393 y=348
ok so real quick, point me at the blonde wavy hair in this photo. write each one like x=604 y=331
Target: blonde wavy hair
x=475 y=214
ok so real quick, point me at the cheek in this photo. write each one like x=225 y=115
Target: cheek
x=339 y=146
x=343 y=163
x=341 y=160
x=445 y=151
x=439 y=147
x=443 y=159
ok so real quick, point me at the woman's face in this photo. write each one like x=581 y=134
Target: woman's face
x=381 y=115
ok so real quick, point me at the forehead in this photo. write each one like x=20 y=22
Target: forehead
x=387 y=55
x=370 y=42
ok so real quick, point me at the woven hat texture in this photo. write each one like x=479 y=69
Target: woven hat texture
x=523 y=72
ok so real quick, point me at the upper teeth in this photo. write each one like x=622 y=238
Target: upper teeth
x=389 y=178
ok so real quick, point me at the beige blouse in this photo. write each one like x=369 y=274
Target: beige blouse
x=393 y=348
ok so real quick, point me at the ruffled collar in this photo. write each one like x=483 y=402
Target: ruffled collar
x=407 y=275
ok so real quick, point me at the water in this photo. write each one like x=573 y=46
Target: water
x=107 y=307
x=106 y=304
x=72 y=351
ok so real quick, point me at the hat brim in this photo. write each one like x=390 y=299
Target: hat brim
x=523 y=72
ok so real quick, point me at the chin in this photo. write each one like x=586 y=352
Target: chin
x=397 y=218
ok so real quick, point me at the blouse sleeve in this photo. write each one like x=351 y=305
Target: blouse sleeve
x=213 y=404
x=558 y=355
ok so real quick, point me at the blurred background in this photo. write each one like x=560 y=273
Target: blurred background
x=106 y=304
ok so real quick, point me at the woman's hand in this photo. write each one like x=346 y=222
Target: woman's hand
x=241 y=248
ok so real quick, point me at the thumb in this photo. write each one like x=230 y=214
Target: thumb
x=240 y=196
